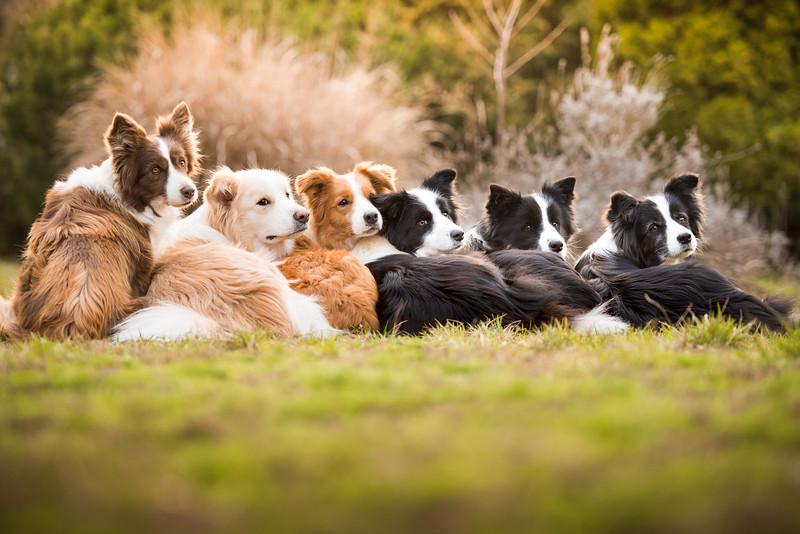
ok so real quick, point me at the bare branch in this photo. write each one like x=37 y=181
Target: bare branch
x=470 y=38
x=479 y=23
x=536 y=50
x=529 y=15
x=488 y=7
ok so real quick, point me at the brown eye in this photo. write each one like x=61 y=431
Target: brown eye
x=156 y=170
x=182 y=163
x=263 y=202
x=344 y=202
x=555 y=225
x=682 y=219
x=422 y=222
x=653 y=228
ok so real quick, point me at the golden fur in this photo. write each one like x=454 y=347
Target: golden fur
x=342 y=285
x=322 y=190
x=232 y=286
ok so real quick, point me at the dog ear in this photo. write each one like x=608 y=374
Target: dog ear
x=309 y=184
x=382 y=177
x=621 y=207
x=390 y=205
x=563 y=190
x=123 y=134
x=221 y=188
x=501 y=198
x=182 y=117
x=441 y=182
x=688 y=188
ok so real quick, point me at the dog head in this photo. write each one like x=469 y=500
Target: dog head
x=659 y=228
x=155 y=170
x=341 y=212
x=541 y=221
x=422 y=221
x=254 y=208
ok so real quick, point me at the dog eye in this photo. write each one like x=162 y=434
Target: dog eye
x=422 y=222
x=682 y=219
x=263 y=202
x=446 y=214
x=528 y=227
x=653 y=228
x=344 y=202
x=155 y=170
x=555 y=225
x=182 y=163
x=287 y=195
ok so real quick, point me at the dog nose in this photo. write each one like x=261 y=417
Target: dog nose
x=188 y=191
x=457 y=235
x=371 y=217
x=556 y=246
x=685 y=239
x=301 y=216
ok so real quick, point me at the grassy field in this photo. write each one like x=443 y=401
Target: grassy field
x=695 y=429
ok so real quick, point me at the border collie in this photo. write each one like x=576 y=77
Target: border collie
x=217 y=276
x=628 y=263
x=89 y=254
x=540 y=221
x=418 y=290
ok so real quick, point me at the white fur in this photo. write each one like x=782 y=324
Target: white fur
x=373 y=248
x=176 y=180
x=361 y=207
x=603 y=247
x=98 y=178
x=166 y=322
x=473 y=240
x=597 y=321
x=307 y=316
x=439 y=238
x=549 y=233
x=675 y=250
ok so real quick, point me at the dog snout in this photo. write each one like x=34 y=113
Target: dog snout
x=556 y=246
x=457 y=235
x=188 y=191
x=301 y=216
x=371 y=218
x=685 y=239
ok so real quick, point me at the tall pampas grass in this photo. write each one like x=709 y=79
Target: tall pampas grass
x=257 y=102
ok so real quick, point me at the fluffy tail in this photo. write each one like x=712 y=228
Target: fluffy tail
x=166 y=322
x=598 y=320
x=9 y=327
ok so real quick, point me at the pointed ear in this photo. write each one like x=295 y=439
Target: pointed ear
x=123 y=134
x=180 y=125
x=501 y=198
x=221 y=188
x=621 y=207
x=441 y=182
x=563 y=190
x=382 y=177
x=182 y=117
x=310 y=184
x=683 y=184
x=390 y=205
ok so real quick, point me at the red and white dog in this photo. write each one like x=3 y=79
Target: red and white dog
x=89 y=255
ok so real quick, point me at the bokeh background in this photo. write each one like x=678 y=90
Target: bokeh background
x=620 y=94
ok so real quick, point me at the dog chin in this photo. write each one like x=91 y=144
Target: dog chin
x=272 y=239
x=368 y=232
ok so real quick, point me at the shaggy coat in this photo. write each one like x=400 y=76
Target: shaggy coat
x=89 y=257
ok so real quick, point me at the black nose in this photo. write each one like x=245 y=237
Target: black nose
x=685 y=239
x=371 y=217
x=301 y=216
x=556 y=246
x=187 y=191
x=457 y=235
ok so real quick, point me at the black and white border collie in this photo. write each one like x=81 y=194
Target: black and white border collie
x=539 y=221
x=633 y=264
x=419 y=289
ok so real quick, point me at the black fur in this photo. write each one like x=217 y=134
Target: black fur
x=513 y=220
x=419 y=293
x=670 y=293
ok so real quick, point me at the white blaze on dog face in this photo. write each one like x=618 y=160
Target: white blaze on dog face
x=365 y=219
x=680 y=240
x=179 y=188
x=549 y=239
x=442 y=234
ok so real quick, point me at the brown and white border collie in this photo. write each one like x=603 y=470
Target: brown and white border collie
x=89 y=254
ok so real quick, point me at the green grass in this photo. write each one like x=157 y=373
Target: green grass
x=488 y=430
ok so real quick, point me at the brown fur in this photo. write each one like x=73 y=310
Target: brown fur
x=322 y=189
x=87 y=261
x=232 y=286
x=343 y=285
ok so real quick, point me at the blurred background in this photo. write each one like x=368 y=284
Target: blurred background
x=620 y=94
